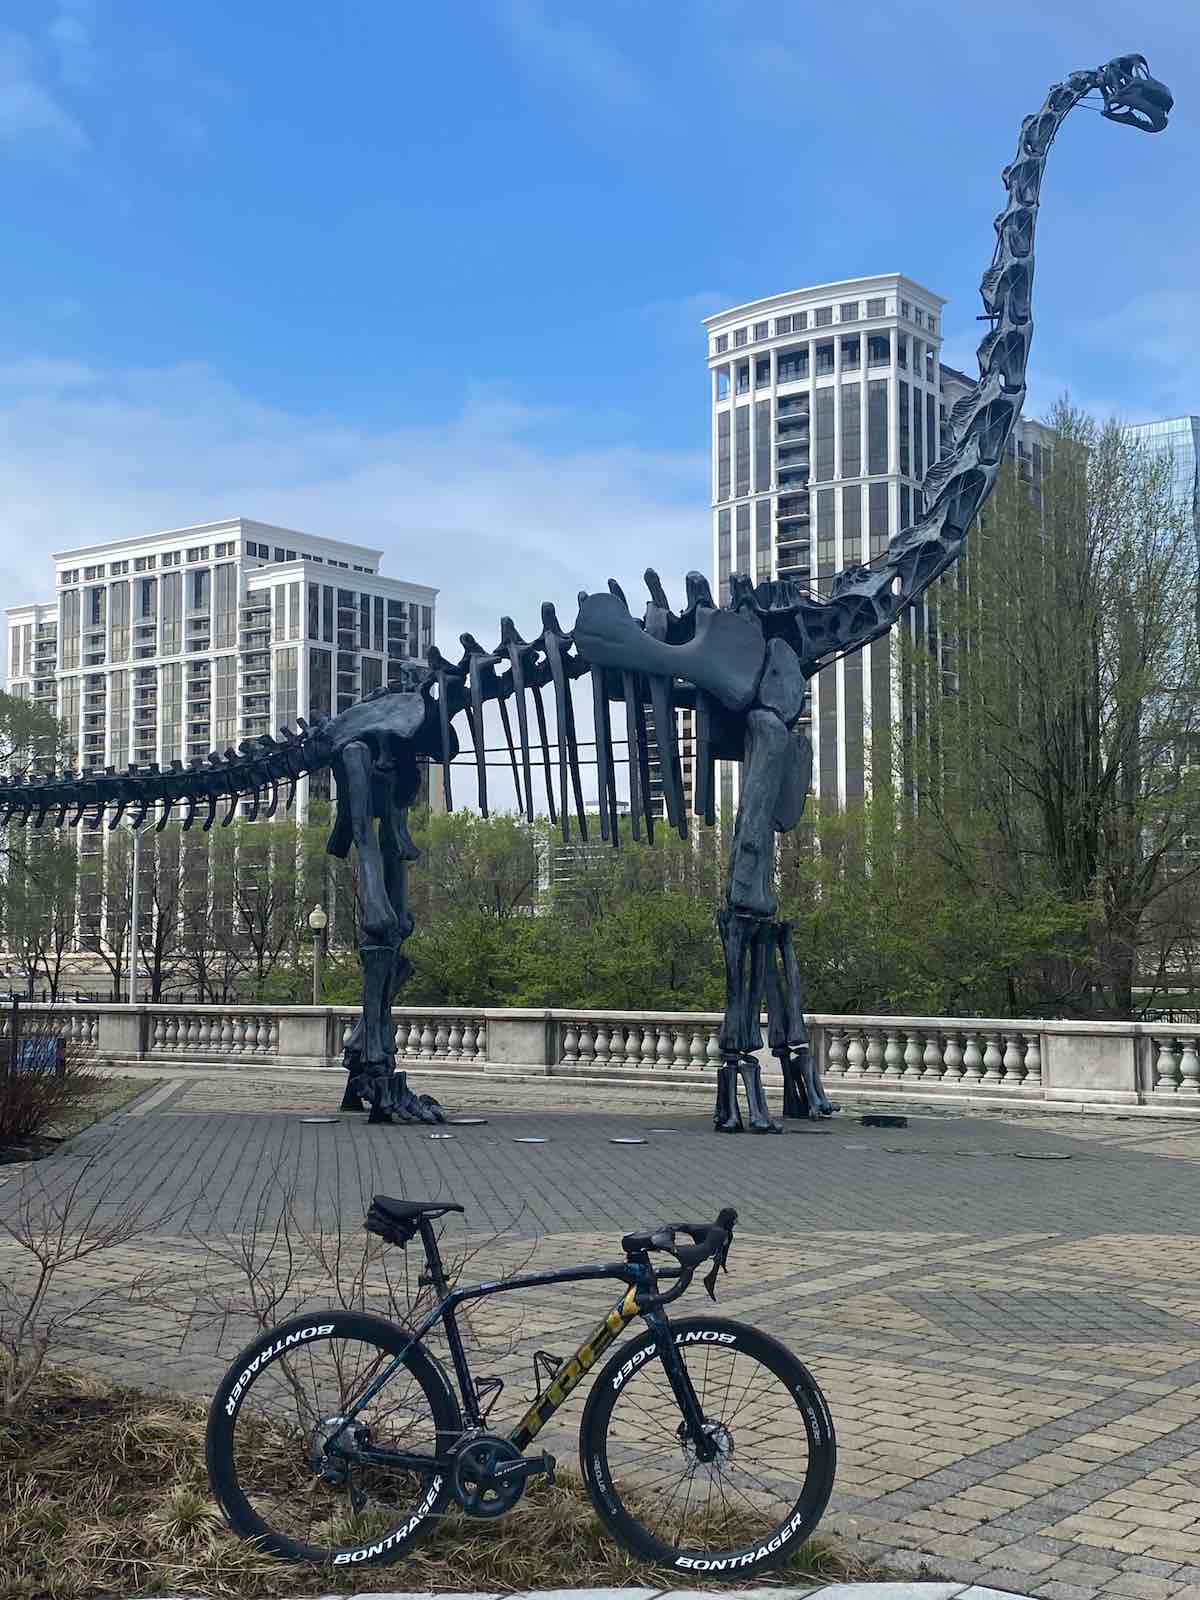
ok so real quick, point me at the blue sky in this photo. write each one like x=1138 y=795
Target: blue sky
x=431 y=277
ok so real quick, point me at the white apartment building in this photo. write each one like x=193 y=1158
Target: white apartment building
x=828 y=408
x=170 y=645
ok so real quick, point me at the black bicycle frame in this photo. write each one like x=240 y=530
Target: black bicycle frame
x=638 y=1275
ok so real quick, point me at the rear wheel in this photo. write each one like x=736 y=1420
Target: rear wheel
x=763 y=1492
x=268 y=1463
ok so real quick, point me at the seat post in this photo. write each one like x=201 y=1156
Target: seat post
x=433 y=1258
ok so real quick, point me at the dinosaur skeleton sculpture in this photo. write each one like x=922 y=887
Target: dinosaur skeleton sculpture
x=742 y=668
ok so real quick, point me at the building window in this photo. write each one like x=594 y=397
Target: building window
x=224 y=702
x=739 y=338
x=287 y=705
x=145 y=563
x=879 y=349
x=918 y=454
x=878 y=518
x=783 y=325
x=905 y=507
x=172 y=613
x=742 y=442
x=119 y=569
x=118 y=719
x=89 y=573
x=902 y=350
x=372 y=675
x=723 y=554
x=761 y=329
x=916 y=357
x=905 y=461
x=320 y=684
x=822 y=466
x=744 y=563
x=722 y=383
x=793 y=365
x=198 y=552
x=96 y=608
x=851 y=430
x=743 y=377
x=762 y=373
x=723 y=461
x=721 y=344
x=848 y=311
x=762 y=446
x=378 y=624
x=851 y=353
x=172 y=558
x=852 y=524
x=70 y=575
x=823 y=317
x=198 y=591
x=824 y=354
x=930 y=431
x=824 y=498
x=932 y=323
x=930 y=375
x=224 y=606
x=762 y=540
x=327 y=613
x=905 y=309
x=119 y=622
x=877 y=426
x=919 y=317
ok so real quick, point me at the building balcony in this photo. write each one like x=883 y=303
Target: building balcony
x=792 y=512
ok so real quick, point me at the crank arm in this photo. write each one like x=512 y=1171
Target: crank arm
x=528 y=1467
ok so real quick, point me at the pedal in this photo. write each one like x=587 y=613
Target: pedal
x=542 y=1466
x=544 y=1362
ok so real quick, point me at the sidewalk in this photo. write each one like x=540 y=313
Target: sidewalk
x=829 y=1591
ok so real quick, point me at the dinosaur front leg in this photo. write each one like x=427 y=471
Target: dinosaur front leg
x=398 y=850
x=379 y=931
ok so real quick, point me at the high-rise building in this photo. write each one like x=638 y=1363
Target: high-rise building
x=825 y=417
x=171 y=645
x=1181 y=437
x=829 y=406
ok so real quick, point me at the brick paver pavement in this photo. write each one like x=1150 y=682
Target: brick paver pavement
x=1010 y=1344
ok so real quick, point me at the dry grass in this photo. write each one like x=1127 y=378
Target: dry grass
x=103 y=1492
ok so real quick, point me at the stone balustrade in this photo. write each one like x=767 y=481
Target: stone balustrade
x=975 y=1060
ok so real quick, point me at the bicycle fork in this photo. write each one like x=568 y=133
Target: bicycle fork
x=682 y=1387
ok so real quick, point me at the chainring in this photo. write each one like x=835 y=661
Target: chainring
x=486 y=1484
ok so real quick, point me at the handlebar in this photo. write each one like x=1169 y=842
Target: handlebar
x=710 y=1242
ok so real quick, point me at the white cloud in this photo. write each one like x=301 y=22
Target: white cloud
x=71 y=36
x=476 y=507
x=31 y=119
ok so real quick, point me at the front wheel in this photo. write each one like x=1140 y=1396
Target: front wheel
x=764 y=1490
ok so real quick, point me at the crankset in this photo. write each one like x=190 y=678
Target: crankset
x=490 y=1475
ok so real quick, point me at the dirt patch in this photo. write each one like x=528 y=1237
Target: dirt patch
x=103 y=1492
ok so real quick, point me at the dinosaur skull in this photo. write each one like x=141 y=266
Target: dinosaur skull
x=1132 y=96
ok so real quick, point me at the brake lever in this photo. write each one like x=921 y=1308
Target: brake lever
x=719 y=1265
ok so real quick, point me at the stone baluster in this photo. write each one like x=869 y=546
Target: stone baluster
x=992 y=1059
x=193 y=1032
x=441 y=1039
x=226 y=1035
x=649 y=1045
x=454 y=1042
x=158 y=1034
x=1166 y=1067
x=696 y=1049
x=893 y=1056
x=855 y=1055
x=664 y=1047
x=932 y=1057
x=239 y=1035
x=953 y=1057
x=679 y=1051
x=1033 y=1061
x=481 y=1041
x=712 y=1048
x=1189 y=1068
x=873 y=1065
x=616 y=1045
x=426 y=1039
x=602 y=1045
x=466 y=1041
x=835 y=1064
x=913 y=1057
x=206 y=1033
x=1014 y=1062
x=273 y=1035
x=171 y=1033
x=587 y=1044
x=570 y=1045
x=972 y=1062
x=633 y=1047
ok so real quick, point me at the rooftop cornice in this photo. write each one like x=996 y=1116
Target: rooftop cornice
x=822 y=291
x=231 y=525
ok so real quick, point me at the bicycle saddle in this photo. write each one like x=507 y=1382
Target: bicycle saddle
x=408 y=1210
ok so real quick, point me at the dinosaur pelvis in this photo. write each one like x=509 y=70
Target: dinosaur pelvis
x=725 y=656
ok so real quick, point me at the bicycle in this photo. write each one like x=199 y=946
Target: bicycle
x=352 y=1439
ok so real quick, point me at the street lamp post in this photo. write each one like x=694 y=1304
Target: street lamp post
x=317 y=921
x=134 y=927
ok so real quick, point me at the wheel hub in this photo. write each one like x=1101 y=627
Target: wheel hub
x=720 y=1445
x=333 y=1465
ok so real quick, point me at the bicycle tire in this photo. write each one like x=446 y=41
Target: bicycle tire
x=245 y=1480
x=617 y=1469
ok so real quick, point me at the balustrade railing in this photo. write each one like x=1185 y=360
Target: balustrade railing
x=596 y=1040
x=930 y=1054
x=215 y=1032
x=1174 y=1064
x=80 y=1029
x=434 y=1035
